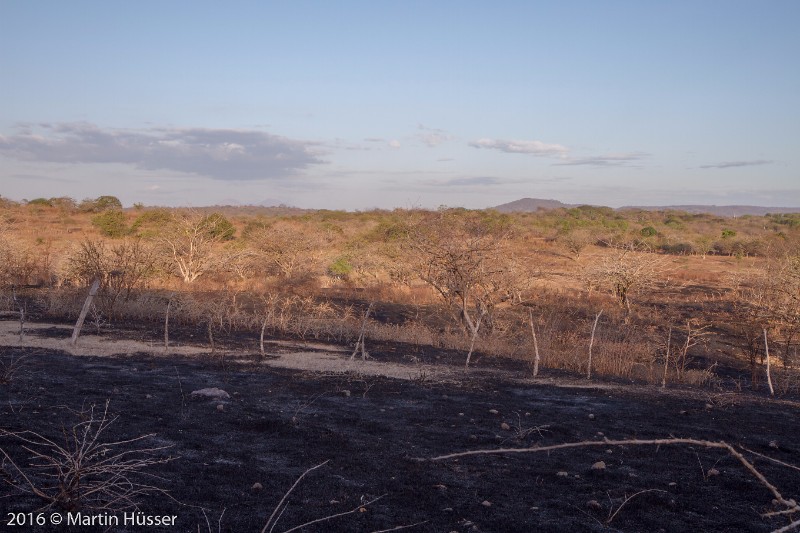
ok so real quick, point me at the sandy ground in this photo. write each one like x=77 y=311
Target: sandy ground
x=307 y=356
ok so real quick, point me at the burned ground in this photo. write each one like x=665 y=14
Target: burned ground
x=377 y=433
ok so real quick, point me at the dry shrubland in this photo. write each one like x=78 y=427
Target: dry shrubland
x=476 y=281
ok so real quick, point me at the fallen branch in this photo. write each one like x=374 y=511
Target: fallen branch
x=790 y=504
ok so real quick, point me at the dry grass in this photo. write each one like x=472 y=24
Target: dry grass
x=310 y=303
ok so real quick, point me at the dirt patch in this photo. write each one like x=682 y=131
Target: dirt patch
x=373 y=420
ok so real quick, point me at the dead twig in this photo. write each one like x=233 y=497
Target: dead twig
x=625 y=502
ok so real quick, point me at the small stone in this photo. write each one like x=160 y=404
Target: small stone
x=346 y=393
x=563 y=474
x=773 y=444
x=148 y=396
x=713 y=472
x=600 y=434
x=609 y=450
x=505 y=427
x=684 y=412
x=528 y=414
x=212 y=393
x=447 y=510
x=333 y=502
x=709 y=406
x=591 y=416
x=460 y=414
x=494 y=411
x=486 y=503
x=594 y=505
x=220 y=407
x=599 y=466
x=257 y=486
x=673 y=484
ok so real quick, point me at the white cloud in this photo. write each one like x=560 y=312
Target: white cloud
x=538 y=148
x=221 y=154
x=394 y=143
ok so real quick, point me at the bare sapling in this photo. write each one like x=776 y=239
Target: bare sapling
x=166 y=326
x=211 y=336
x=475 y=329
x=693 y=338
x=666 y=359
x=536 y=358
x=591 y=343
x=261 y=338
x=769 y=374
x=360 y=341
x=86 y=306
x=21 y=308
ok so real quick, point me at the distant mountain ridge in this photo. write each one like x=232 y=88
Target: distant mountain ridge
x=527 y=205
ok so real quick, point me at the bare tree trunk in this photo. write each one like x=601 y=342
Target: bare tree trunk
x=86 y=305
x=666 y=359
x=211 y=337
x=535 y=346
x=591 y=343
x=769 y=375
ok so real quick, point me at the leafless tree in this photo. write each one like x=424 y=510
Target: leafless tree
x=120 y=268
x=467 y=260
x=289 y=247
x=191 y=240
x=626 y=272
x=770 y=300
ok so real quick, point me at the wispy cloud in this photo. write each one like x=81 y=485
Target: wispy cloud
x=538 y=148
x=37 y=177
x=432 y=137
x=222 y=154
x=467 y=182
x=610 y=160
x=735 y=164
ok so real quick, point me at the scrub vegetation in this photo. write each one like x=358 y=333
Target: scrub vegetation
x=650 y=302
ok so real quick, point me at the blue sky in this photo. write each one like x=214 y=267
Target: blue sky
x=367 y=104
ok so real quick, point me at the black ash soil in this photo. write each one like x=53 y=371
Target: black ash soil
x=373 y=431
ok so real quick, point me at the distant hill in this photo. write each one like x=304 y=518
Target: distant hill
x=526 y=205
x=531 y=205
